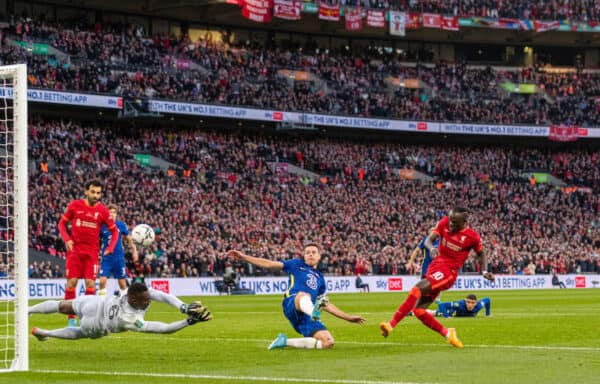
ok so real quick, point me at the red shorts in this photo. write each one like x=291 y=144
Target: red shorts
x=82 y=265
x=440 y=277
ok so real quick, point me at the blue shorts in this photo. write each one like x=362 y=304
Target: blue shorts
x=301 y=322
x=114 y=264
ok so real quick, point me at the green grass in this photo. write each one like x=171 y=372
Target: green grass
x=549 y=336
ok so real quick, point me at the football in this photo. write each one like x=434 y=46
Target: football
x=143 y=235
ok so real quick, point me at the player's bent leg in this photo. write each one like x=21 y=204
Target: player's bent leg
x=66 y=307
x=423 y=287
x=325 y=338
x=304 y=304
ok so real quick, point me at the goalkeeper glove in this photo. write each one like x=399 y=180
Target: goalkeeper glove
x=201 y=314
x=196 y=312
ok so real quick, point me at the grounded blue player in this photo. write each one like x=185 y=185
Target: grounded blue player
x=468 y=307
x=115 y=263
x=426 y=256
x=303 y=300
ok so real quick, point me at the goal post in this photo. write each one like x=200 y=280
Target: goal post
x=14 y=347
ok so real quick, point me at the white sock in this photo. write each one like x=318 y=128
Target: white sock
x=49 y=306
x=122 y=291
x=64 y=333
x=305 y=343
x=306 y=305
x=102 y=292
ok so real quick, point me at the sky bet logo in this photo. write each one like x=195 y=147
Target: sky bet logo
x=420 y=126
x=394 y=284
x=160 y=285
x=116 y=101
x=277 y=116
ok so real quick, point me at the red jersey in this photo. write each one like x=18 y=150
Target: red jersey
x=454 y=247
x=86 y=222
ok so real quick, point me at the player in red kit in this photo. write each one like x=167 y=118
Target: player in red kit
x=83 y=243
x=456 y=241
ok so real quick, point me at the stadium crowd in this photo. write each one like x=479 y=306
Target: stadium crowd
x=581 y=10
x=121 y=60
x=221 y=193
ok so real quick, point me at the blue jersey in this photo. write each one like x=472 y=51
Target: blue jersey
x=105 y=238
x=426 y=255
x=459 y=308
x=303 y=278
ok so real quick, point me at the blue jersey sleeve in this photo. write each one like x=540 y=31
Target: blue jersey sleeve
x=289 y=266
x=488 y=305
x=446 y=309
x=422 y=244
x=322 y=286
x=104 y=236
x=123 y=228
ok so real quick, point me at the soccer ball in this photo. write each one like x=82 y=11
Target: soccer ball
x=143 y=235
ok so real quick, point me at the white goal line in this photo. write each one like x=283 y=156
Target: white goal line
x=220 y=377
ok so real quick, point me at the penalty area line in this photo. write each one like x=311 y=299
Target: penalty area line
x=219 y=377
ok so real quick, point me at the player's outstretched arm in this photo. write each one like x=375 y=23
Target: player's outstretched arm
x=134 y=251
x=258 y=261
x=335 y=311
x=413 y=256
x=197 y=313
x=433 y=250
x=166 y=298
x=488 y=305
x=483 y=265
x=160 y=327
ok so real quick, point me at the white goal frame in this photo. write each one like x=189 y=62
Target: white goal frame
x=18 y=74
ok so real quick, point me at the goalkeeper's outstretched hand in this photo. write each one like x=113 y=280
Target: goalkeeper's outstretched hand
x=197 y=312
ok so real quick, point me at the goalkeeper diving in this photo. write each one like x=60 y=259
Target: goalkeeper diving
x=102 y=315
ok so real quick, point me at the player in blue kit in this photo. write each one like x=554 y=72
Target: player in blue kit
x=303 y=300
x=468 y=307
x=115 y=263
x=421 y=249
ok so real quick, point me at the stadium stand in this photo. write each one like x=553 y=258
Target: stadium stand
x=367 y=218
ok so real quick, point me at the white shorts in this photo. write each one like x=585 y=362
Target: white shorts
x=90 y=310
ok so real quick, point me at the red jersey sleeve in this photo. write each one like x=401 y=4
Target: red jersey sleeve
x=114 y=231
x=477 y=245
x=443 y=223
x=64 y=219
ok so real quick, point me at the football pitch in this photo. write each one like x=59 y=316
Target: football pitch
x=546 y=336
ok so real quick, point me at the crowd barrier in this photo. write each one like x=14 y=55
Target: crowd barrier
x=55 y=288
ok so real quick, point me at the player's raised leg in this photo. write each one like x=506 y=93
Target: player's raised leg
x=421 y=288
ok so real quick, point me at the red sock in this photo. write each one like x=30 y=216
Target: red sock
x=70 y=295
x=430 y=321
x=413 y=296
x=90 y=291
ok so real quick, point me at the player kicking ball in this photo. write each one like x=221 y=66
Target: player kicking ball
x=456 y=241
x=102 y=315
x=304 y=300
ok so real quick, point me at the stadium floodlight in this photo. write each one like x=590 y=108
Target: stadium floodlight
x=14 y=348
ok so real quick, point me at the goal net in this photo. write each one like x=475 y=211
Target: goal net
x=13 y=219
